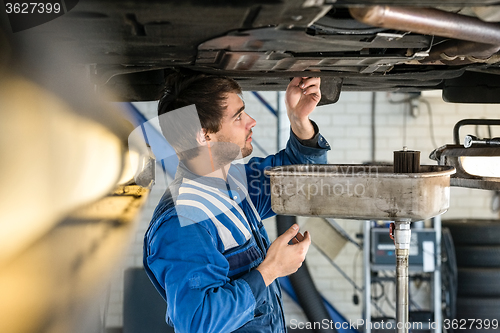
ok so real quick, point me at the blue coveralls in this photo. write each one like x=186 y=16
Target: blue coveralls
x=205 y=239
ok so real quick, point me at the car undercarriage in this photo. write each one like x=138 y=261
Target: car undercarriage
x=129 y=47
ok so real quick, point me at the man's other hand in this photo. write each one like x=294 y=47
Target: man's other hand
x=283 y=258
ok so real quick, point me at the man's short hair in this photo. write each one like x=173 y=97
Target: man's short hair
x=208 y=93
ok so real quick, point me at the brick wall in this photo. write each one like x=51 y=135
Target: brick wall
x=346 y=125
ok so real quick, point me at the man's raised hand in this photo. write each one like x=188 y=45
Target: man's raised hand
x=302 y=96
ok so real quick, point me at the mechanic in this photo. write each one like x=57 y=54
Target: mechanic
x=206 y=249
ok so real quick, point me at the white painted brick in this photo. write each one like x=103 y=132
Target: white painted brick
x=360 y=108
x=365 y=144
x=465 y=109
x=321 y=119
x=332 y=133
x=354 y=156
x=345 y=143
x=365 y=96
x=491 y=109
x=365 y=120
x=473 y=200
x=382 y=143
x=349 y=120
x=389 y=109
x=336 y=156
x=349 y=96
x=443 y=109
x=321 y=271
x=323 y=283
x=359 y=132
x=451 y=118
x=389 y=132
x=437 y=120
x=332 y=109
x=395 y=120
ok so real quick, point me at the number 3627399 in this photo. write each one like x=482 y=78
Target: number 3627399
x=32 y=8
x=470 y=323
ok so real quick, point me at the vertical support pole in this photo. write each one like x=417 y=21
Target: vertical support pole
x=402 y=235
x=367 y=277
x=373 y=127
x=278 y=121
x=438 y=316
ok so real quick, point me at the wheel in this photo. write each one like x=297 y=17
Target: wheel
x=474 y=231
x=478 y=256
x=478 y=308
x=479 y=282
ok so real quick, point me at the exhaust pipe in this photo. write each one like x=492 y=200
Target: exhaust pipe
x=429 y=21
x=460 y=52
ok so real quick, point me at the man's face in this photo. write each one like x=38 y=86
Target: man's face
x=236 y=126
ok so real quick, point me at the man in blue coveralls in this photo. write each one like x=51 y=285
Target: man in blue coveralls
x=206 y=249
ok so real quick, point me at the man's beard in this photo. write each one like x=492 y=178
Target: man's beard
x=226 y=151
x=246 y=151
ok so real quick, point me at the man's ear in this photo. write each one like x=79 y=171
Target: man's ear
x=202 y=137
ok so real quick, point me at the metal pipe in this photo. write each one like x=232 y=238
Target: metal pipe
x=373 y=127
x=437 y=276
x=402 y=236
x=460 y=52
x=455 y=48
x=463 y=122
x=367 y=293
x=430 y=22
x=472 y=140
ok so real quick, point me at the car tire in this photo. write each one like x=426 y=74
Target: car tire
x=479 y=282
x=478 y=308
x=478 y=256
x=474 y=231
